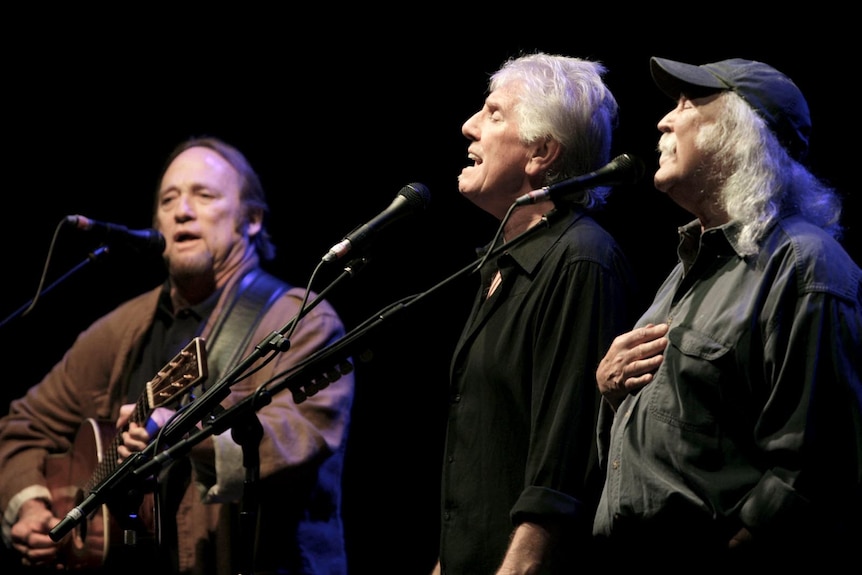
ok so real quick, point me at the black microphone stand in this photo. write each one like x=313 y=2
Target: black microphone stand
x=91 y=257
x=248 y=433
x=305 y=379
x=312 y=374
x=132 y=472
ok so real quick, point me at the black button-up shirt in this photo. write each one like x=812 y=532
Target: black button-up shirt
x=521 y=439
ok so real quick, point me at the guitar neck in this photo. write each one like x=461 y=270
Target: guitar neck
x=174 y=380
x=109 y=455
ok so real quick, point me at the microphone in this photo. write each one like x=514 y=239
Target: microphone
x=95 y=499
x=624 y=169
x=73 y=518
x=411 y=199
x=140 y=239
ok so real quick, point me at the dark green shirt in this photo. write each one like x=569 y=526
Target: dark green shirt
x=753 y=418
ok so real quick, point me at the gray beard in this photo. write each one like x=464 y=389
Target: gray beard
x=191 y=268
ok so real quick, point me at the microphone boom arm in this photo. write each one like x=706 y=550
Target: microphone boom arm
x=303 y=380
x=143 y=464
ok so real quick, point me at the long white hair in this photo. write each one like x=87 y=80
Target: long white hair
x=761 y=182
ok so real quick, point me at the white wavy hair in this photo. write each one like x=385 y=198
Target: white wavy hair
x=760 y=180
x=565 y=99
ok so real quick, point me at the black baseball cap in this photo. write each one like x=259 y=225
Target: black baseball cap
x=770 y=93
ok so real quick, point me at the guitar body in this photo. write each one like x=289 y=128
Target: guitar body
x=89 y=544
x=128 y=519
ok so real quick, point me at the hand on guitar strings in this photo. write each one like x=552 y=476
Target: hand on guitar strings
x=136 y=437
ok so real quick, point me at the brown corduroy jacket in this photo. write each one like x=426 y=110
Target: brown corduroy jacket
x=301 y=452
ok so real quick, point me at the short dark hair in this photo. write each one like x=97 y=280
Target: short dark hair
x=251 y=195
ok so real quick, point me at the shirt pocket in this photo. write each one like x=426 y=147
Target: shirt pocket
x=688 y=394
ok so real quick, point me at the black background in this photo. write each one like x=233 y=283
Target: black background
x=338 y=110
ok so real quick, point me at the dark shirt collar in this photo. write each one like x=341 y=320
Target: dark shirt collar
x=723 y=239
x=199 y=311
x=528 y=253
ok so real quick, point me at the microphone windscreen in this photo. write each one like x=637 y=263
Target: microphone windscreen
x=417 y=195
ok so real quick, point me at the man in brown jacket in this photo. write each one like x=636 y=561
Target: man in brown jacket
x=211 y=209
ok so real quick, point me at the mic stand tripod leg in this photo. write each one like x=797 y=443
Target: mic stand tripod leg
x=247 y=433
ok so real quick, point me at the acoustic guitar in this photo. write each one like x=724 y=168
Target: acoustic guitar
x=93 y=458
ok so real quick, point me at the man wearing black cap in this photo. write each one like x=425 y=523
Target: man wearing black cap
x=730 y=427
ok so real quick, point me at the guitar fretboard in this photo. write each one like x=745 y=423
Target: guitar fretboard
x=176 y=378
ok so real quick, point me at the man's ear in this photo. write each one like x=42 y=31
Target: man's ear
x=255 y=222
x=545 y=153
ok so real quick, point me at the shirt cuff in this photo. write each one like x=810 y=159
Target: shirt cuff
x=10 y=515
